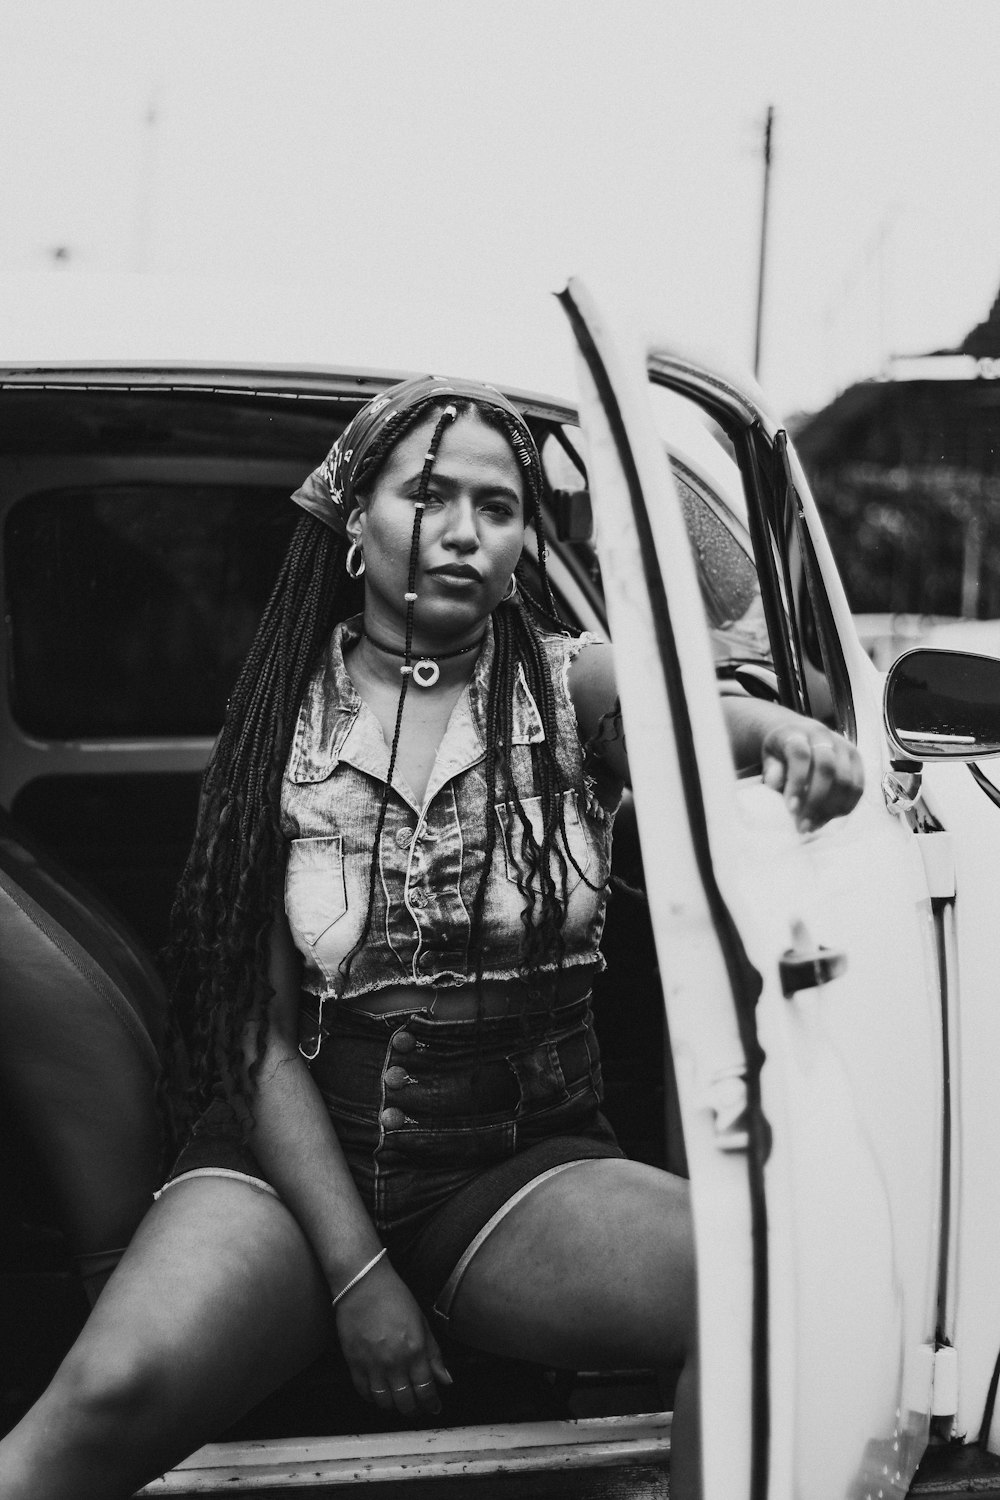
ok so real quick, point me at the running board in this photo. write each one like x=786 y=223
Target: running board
x=437 y=1453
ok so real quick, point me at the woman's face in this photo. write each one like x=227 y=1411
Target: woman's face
x=471 y=535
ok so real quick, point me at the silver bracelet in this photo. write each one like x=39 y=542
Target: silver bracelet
x=360 y=1276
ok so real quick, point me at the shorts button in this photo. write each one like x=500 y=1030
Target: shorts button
x=404 y=1041
x=392 y=1119
x=404 y=837
x=396 y=1076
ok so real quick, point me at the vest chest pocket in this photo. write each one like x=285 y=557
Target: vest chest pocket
x=578 y=859
x=315 y=888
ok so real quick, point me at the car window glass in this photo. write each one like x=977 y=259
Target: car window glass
x=712 y=497
x=133 y=605
x=711 y=500
x=726 y=574
x=824 y=686
x=758 y=480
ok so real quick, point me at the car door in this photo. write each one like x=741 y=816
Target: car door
x=802 y=973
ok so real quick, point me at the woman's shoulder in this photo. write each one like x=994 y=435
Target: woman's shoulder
x=576 y=660
x=583 y=665
x=565 y=650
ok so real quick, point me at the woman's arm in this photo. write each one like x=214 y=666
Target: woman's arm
x=382 y=1331
x=819 y=772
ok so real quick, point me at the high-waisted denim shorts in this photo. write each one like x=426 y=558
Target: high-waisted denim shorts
x=445 y=1124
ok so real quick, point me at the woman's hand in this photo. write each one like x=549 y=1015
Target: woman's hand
x=819 y=772
x=392 y=1355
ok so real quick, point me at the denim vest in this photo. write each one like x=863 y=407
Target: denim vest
x=432 y=854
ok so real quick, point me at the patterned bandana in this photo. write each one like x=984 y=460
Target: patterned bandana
x=328 y=493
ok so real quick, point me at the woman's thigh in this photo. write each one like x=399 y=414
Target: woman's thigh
x=217 y=1300
x=594 y=1266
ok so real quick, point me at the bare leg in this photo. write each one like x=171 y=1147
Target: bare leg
x=217 y=1301
x=595 y=1266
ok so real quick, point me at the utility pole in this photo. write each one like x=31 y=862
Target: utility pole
x=763 y=239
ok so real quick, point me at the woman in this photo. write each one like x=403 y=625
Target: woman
x=395 y=1086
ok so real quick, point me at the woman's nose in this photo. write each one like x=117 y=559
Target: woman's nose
x=462 y=530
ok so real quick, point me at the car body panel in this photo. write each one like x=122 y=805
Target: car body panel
x=852 y=1082
x=971 y=1316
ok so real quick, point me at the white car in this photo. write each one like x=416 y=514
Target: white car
x=830 y=998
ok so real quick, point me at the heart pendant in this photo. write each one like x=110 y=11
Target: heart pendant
x=426 y=672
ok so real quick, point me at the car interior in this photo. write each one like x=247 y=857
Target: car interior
x=142 y=520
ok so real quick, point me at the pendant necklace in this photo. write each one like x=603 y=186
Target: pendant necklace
x=424 y=670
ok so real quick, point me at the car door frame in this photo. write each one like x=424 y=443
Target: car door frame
x=642 y=469
x=711 y=987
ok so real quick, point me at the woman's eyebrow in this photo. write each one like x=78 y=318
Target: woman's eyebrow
x=445 y=482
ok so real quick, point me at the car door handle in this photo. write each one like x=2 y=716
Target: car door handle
x=805 y=968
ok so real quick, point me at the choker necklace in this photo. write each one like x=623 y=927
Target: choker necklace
x=424 y=670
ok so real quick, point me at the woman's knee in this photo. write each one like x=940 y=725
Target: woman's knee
x=112 y=1384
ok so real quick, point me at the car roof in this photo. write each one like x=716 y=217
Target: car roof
x=317 y=381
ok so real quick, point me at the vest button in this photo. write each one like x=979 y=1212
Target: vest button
x=392 y=1119
x=404 y=837
x=404 y=1041
x=396 y=1076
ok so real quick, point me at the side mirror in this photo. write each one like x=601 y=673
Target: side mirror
x=574 y=515
x=943 y=705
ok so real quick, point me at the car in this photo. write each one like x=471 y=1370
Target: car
x=827 y=1085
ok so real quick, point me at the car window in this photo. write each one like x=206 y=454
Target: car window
x=133 y=605
x=759 y=487
x=720 y=542
x=727 y=576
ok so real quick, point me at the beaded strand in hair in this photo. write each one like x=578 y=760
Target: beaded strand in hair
x=419 y=505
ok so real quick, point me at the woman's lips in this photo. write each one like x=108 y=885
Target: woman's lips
x=455 y=576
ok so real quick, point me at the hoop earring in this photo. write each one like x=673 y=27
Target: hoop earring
x=354 y=562
x=511 y=590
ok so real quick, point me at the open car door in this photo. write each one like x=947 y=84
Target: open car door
x=803 y=975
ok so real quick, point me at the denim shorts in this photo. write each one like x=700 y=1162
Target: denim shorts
x=445 y=1125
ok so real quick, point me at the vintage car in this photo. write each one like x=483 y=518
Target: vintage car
x=828 y=1083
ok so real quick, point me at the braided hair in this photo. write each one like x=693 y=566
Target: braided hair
x=217 y=953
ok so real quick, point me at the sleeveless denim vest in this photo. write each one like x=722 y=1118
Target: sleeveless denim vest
x=432 y=853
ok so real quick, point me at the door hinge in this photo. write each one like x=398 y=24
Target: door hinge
x=729 y=1102
x=933 y=1380
x=938 y=853
x=944 y=1397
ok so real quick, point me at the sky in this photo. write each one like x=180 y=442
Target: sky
x=400 y=182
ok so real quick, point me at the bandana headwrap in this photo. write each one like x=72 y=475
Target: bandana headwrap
x=328 y=493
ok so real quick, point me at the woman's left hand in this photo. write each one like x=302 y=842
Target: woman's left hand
x=819 y=772
x=392 y=1355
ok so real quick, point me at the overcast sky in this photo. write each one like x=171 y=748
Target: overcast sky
x=442 y=165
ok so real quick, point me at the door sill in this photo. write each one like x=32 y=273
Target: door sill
x=435 y=1453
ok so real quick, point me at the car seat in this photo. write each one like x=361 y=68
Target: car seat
x=81 y=1018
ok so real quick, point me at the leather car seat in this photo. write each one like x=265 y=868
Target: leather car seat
x=81 y=1017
